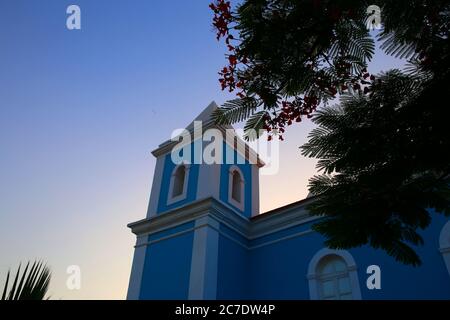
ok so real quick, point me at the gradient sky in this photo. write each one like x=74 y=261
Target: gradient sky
x=80 y=112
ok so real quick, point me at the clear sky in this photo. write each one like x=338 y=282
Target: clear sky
x=80 y=112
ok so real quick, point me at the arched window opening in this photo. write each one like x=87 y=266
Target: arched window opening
x=236 y=189
x=179 y=180
x=333 y=279
x=332 y=275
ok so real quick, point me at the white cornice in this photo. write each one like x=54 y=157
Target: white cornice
x=250 y=229
x=280 y=219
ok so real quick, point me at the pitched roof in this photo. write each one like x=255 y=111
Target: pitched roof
x=206 y=117
x=207 y=122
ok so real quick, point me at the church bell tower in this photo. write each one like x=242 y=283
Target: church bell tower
x=203 y=177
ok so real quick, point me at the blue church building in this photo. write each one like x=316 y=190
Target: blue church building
x=205 y=238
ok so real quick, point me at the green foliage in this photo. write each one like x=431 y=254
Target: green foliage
x=384 y=152
x=291 y=49
x=385 y=162
x=414 y=28
x=254 y=124
x=31 y=285
x=294 y=49
x=235 y=111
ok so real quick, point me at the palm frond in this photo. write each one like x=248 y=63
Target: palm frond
x=33 y=283
x=403 y=253
x=235 y=110
x=254 y=125
x=394 y=45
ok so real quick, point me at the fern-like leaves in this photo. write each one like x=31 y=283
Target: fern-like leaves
x=32 y=284
x=234 y=111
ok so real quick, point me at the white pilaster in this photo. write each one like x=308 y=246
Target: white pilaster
x=203 y=278
x=255 y=190
x=156 y=187
x=137 y=269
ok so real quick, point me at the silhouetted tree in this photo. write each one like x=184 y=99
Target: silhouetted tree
x=384 y=150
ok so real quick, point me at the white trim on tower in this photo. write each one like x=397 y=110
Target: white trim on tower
x=204 y=264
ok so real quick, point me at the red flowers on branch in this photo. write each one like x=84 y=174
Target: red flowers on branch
x=221 y=22
x=222 y=17
x=292 y=110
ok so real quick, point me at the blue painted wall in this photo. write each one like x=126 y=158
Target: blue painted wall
x=167 y=268
x=278 y=271
x=429 y=281
x=233 y=267
x=265 y=268
x=246 y=169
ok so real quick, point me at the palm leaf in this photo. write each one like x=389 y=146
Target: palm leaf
x=235 y=110
x=5 y=288
x=253 y=126
x=395 y=46
x=33 y=283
